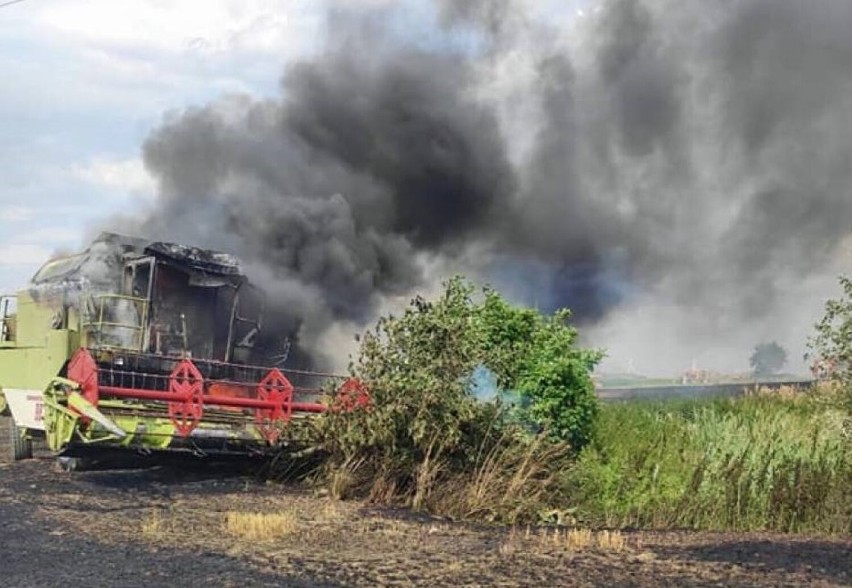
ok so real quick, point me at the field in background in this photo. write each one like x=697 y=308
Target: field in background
x=695 y=392
x=616 y=380
x=621 y=388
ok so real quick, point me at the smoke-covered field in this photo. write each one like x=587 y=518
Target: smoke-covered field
x=676 y=172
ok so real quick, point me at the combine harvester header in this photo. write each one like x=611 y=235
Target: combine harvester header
x=148 y=346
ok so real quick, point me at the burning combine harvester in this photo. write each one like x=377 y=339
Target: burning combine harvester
x=148 y=346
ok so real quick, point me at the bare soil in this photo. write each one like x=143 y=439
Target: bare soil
x=166 y=526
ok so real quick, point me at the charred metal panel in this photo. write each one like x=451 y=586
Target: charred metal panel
x=195 y=258
x=155 y=297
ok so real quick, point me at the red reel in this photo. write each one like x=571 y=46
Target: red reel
x=187 y=385
x=352 y=395
x=276 y=389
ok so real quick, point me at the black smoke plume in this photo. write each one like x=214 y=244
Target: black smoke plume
x=674 y=170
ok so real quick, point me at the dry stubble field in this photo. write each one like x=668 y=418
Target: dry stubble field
x=195 y=526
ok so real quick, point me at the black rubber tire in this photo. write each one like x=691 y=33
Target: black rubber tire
x=13 y=446
x=7 y=448
x=23 y=446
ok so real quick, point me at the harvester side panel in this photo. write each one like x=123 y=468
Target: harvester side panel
x=37 y=354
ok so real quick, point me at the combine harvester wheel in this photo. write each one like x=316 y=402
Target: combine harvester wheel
x=13 y=445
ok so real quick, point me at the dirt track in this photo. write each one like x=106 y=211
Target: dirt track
x=165 y=526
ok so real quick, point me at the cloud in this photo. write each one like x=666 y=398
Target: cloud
x=120 y=176
x=186 y=25
x=52 y=236
x=15 y=213
x=23 y=254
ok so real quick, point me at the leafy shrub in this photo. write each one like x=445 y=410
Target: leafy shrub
x=427 y=441
x=537 y=356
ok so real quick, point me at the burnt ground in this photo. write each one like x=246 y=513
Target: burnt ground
x=167 y=526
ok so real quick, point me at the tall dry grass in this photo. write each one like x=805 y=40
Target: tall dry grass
x=514 y=480
x=558 y=539
x=255 y=526
x=511 y=478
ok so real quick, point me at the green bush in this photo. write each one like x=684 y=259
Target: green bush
x=425 y=431
x=537 y=357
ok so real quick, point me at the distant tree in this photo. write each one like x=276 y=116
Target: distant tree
x=767 y=359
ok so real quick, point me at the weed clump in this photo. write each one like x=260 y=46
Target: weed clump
x=260 y=526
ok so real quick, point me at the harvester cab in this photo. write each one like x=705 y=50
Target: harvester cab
x=146 y=346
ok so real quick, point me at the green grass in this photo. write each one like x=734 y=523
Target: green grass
x=769 y=462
